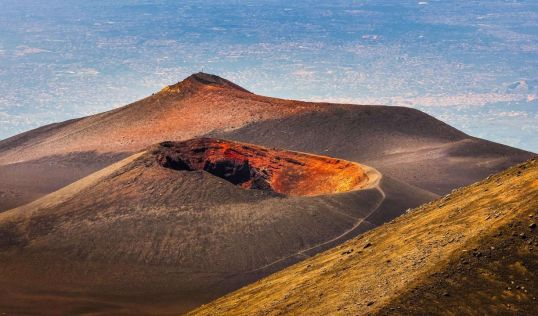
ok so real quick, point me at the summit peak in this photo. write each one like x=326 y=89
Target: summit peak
x=205 y=79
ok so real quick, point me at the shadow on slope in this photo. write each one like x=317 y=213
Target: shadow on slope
x=402 y=143
x=26 y=181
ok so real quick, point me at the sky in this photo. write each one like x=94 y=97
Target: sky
x=472 y=64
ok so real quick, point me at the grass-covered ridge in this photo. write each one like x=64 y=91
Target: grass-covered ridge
x=472 y=251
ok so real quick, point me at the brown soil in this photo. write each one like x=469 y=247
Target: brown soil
x=159 y=233
x=140 y=237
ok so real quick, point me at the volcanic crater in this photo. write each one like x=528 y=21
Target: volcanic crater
x=256 y=167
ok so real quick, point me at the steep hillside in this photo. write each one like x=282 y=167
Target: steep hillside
x=473 y=251
x=192 y=107
x=154 y=234
x=403 y=143
x=64 y=152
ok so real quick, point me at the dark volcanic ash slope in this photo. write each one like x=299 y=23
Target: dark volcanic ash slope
x=145 y=236
x=404 y=143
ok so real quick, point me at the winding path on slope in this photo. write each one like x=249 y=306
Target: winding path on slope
x=374 y=180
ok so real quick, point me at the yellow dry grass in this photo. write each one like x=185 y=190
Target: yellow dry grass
x=365 y=274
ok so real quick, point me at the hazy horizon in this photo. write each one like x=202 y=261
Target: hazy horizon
x=473 y=65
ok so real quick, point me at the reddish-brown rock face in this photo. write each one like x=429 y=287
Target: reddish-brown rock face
x=256 y=167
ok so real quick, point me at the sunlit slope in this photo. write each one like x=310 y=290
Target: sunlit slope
x=193 y=107
x=45 y=159
x=146 y=237
x=473 y=251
